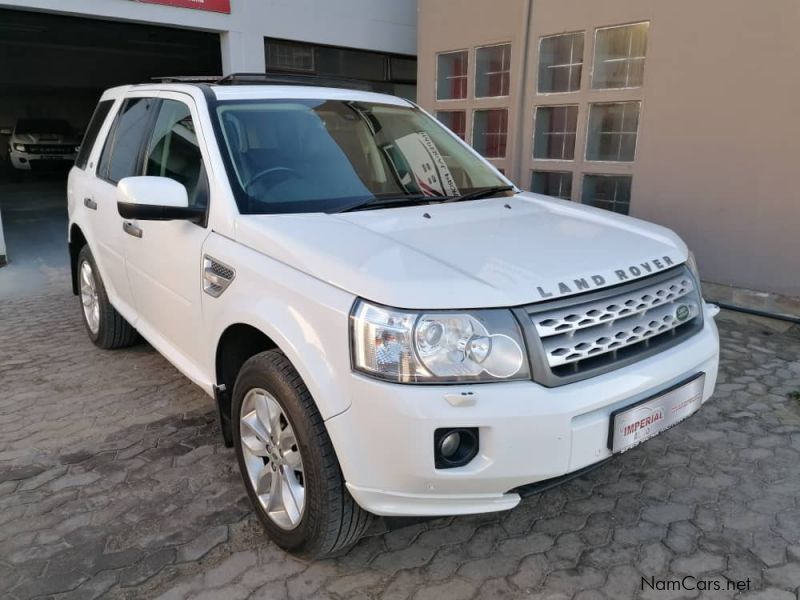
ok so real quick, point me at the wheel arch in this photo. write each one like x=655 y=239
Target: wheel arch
x=77 y=240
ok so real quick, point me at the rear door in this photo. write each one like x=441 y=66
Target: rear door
x=164 y=258
x=121 y=157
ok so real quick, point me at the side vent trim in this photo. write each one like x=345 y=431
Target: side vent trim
x=217 y=276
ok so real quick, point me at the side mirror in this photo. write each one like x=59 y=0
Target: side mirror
x=155 y=199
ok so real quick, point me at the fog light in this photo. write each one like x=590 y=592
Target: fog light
x=454 y=447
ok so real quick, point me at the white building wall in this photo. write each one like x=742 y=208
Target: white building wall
x=384 y=25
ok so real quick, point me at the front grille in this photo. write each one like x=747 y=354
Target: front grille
x=49 y=149
x=586 y=335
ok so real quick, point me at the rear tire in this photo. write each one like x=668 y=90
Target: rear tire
x=105 y=326
x=319 y=517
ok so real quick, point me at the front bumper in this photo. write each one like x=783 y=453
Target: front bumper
x=528 y=433
x=25 y=161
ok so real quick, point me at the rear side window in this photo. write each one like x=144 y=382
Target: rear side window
x=121 y=154
x=89 y=138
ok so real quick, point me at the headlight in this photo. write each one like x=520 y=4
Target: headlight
x=437 y=346
x=19 y=147
x=692 y=264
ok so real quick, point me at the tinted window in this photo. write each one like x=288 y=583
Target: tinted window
x=121 y=153
x=52 y=126
x=98 y=118
x=173 y=151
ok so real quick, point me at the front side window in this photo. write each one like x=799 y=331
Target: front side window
x=299 y=156
x=173 y=152
x=490 y=132
x=619 y=55
x=613 y=131
x=560 y=63
x=493 y=71
x=612 y=192
x=451 y=77
x=554 y=132
x=552 y=183
x=455 y=121
x=120 y=156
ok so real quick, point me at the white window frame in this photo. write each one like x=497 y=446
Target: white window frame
x=621 y=133
x=507 y=72
x=570 y=64
x=563 y=133
x=627 y=59
x=465 y=76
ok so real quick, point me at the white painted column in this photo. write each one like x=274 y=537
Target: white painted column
x=242 y=52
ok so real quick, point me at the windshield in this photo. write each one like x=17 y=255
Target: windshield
x=52 y=126
x=293 y=156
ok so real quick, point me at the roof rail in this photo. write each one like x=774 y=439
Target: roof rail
x=268 y=79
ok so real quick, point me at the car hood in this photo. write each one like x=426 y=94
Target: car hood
x=474 y=254
x=43 y=138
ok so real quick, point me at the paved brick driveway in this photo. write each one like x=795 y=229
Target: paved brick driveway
x=113 y=483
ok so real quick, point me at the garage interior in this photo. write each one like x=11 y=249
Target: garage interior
x=55 y=66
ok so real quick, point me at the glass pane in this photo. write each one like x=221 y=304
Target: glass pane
x=611 y=192
x=552 y=183
x=121 y=159
x=619 y=56
x=451 y=79
x=98 y=118
x=612 y=131
x=354 y=64
x=403 y=69
x=560 y=63
x=288 y=56
x=554 y=132
x=493 y=69
x=174 y=151
x=489 y=132
x=455 y=121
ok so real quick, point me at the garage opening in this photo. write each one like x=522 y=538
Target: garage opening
x=53 y=69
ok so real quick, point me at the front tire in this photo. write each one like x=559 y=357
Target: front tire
x=105 y=326
x=288 y=463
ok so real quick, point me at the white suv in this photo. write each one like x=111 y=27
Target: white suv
x=388 y=326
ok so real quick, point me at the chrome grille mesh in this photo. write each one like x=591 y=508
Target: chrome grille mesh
x=609 y=329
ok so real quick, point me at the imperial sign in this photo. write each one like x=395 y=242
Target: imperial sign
x=222 y=6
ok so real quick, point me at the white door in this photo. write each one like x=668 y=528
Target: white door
x=118 y=159
x=164 y=258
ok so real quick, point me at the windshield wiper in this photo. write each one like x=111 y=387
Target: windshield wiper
x=389 y=201
x=481 y=193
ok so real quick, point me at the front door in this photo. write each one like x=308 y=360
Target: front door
x=164 y=258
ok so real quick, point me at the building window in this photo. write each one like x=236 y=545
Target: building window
x=619 y=55
x=455 y=121
x=560 y=63
x=552 y=183
x=451 y=81
x=288 y=56
x=612 y=192
x=554 y=132
x=490 y=131
x=492 y=71
x=612 y=131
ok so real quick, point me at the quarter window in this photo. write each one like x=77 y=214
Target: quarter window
x=451 y=82
x=552 y=183
x=613 y=131
x=490 y=132
x=560 y=63
x=493 y=70
x=455 y=121
x=554 y=133
x=120 y=156
x=612 y=192
x=174 y=152
x=619 y=56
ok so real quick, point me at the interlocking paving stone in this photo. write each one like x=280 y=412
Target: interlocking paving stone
x=114 y=483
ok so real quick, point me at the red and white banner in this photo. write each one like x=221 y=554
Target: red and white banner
x=221 y=6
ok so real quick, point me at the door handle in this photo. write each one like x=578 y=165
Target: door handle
x=132 y=229
x=89 y=203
